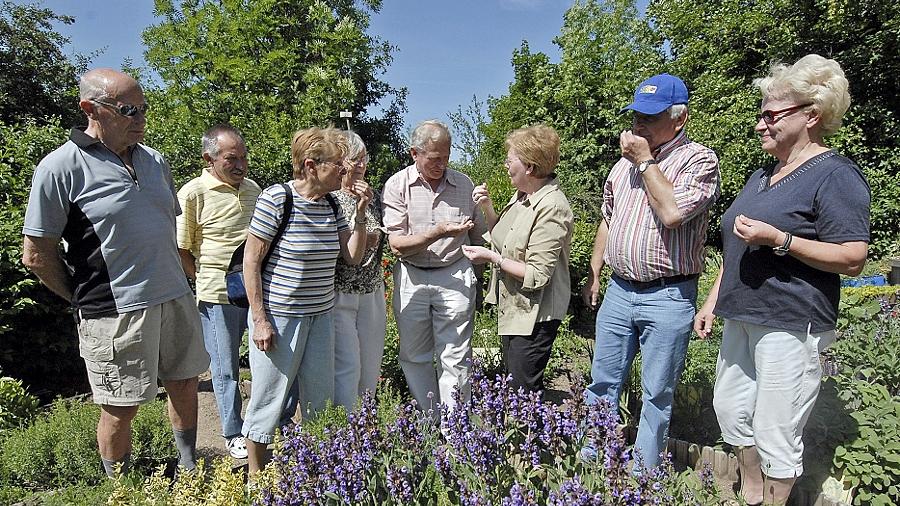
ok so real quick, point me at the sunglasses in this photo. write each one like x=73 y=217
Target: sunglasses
x=127 y=110
x=772 y=117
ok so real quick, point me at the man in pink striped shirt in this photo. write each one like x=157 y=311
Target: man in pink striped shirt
x=429 y=215
x=656 y=204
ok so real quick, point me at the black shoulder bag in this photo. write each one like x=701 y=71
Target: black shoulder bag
x=234 y=276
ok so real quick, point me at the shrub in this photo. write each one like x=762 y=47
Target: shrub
x=31 y=317
x=869 y=341
x=17 y=406
x=871 y=461
x=218 y=486
x=60 y=448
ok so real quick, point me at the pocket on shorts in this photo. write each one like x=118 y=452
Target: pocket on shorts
x=94 y=343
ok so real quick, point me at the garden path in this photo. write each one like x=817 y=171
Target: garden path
x=209 y=430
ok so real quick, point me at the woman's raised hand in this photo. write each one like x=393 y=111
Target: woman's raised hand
x=481 y=197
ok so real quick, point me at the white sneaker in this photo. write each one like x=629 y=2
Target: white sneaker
x=237 y=448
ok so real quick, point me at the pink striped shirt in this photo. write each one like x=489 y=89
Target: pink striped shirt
x=639 y=246
x=412 y=207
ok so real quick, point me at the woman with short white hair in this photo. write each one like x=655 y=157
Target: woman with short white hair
x=794 y=228
x=359 y=306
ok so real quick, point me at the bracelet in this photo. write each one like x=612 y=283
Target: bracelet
x=499 y=263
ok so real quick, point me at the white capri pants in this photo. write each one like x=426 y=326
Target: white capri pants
x=359 y=328
x=767 y=381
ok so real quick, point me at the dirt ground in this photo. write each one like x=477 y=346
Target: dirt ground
x=210 y=442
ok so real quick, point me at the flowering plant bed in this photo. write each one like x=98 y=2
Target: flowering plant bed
x=499 y=447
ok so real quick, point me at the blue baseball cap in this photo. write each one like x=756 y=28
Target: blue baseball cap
x=657 y=94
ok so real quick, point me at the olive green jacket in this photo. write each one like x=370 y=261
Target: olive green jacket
x=540 y=236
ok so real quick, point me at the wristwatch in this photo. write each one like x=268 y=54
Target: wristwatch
x=642 y=167
x=785 y=247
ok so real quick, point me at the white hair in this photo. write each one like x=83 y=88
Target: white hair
x=677 y=110
x=210 y=139
x=357 y=146
x=815 y=80
x=427 y=132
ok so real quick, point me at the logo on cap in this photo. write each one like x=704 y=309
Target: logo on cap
x=647 y=88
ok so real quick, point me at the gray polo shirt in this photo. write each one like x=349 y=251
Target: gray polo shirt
x=119 y=231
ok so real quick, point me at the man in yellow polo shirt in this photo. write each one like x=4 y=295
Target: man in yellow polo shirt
x=216 y=210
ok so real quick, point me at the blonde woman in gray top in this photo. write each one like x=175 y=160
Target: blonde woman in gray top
x=359 y=310
x=530 y=241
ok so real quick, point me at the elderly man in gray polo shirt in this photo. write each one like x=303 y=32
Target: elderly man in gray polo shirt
x=112 y=201
x=429 y=214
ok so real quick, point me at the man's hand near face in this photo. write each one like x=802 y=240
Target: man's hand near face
x=634 y=148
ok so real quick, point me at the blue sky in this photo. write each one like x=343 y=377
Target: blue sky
x=448 y=50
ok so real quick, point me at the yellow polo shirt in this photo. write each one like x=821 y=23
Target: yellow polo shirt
x=213 y=223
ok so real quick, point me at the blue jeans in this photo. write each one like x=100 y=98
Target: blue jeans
x=658 y=321
x=223 y=328
x=303 y=355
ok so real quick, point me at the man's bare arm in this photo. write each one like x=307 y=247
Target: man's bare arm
x=406 y=245
x=188 y=263
x=41 y=256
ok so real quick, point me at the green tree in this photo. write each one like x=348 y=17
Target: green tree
x=606 y=49
x=36 y=78
x=268 y=67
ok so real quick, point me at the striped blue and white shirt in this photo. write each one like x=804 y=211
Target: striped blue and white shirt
x=299 y=278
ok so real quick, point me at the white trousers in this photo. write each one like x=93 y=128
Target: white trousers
x=359 y=326
x=767 y=381
x=434 y=310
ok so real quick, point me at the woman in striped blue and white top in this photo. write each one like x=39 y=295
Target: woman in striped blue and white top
x=292 y=297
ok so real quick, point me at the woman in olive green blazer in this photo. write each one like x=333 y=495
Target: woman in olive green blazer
x=529 y=249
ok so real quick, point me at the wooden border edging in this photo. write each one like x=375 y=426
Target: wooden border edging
x=724 y=468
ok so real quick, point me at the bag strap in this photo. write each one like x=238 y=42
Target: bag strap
x=285 y=219
x=333 y=203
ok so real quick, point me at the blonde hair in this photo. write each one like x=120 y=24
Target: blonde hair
x=319 y=144
x=813 y=79
x=537 y=147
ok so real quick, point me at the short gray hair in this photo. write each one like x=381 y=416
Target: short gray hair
x=211 y=138
x=93 y=86
x=428 y=131
x=813 y=79
x=678 y=110
x=357 y=146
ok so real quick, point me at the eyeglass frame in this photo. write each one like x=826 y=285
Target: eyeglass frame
x=359 y=163
x=126 y=110
x=340 y=165
x=772 y=117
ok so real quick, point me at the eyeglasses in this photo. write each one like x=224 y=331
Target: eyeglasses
x=127 y=110
x=645 y=119
x=358 y=164
x=772 y=117
x=339 y=165
x=511 y=160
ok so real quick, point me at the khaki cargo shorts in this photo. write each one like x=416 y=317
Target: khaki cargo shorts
x=125 y=354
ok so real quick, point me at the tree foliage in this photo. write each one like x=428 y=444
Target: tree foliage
x=37 y=335
x=268 y=67
x=605 y=47
x=718 y=48
x=36 y=78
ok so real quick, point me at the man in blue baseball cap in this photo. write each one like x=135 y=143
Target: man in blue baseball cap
x=655 y=214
